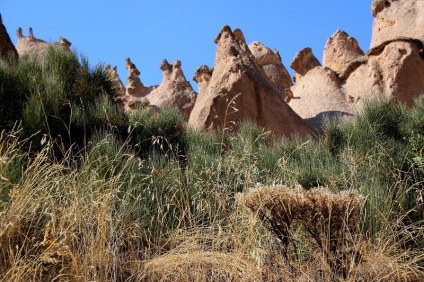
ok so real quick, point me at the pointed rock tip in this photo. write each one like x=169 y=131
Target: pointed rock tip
x=128 y=62
x=303 y=61
x=176 y=64
x=165 y=65
x=225 y=28
x=65 y=41
x=204 y=69
x=19 y=32
x=275 y=51
x=239 y=34
x=31 y=34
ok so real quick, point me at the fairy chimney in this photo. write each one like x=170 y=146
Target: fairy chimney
x=238 y=89
x=174 y=91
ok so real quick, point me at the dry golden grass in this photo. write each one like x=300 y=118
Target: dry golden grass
x=199 y=266
x=63 y=225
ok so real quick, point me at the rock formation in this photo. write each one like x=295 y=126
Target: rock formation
x=134 y=85
x=238 y=89
x=113 y=73
x=174 y=90
x=394 y=65
x=31 y=45
x=395 y=68
x=317 y=93
x=273 y=66
x=304 y=61
x=7 y=49
x=395 y=19
x=203 y=76
x=340 y=50
x=64 y=43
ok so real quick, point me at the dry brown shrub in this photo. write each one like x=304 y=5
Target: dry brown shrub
x=331 y=219
x=336 y=249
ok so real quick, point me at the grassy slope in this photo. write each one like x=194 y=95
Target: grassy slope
x=90 y=193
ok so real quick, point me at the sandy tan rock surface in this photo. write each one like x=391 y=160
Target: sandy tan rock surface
x=303 y=61
x=397 y=18
x=393 y=66
x=396 y=69
x=340 y=50
x=30 y=45
x=238 y=89
x=174 y=90
x=319 y=95
x=273 y=66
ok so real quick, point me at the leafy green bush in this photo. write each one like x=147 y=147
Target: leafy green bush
x=58 y=97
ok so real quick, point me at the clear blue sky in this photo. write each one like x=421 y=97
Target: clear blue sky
x=150 y=31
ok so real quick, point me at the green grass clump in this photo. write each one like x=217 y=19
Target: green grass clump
x=163 y=132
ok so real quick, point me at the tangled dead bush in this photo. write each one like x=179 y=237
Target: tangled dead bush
x=331 y=219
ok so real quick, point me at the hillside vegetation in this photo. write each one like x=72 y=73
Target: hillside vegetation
x=91 y=193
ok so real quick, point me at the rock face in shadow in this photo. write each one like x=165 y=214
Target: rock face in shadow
x=30 y=45
x=113 y=73
x=272 y=65
x=7 y=49
x=238 y=89
x=120 y=97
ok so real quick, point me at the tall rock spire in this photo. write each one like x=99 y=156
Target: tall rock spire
x=238 y=89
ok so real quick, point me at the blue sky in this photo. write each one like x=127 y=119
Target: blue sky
x=150 y=31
